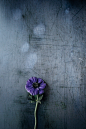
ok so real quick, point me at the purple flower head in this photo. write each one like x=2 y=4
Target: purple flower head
x=35 y=86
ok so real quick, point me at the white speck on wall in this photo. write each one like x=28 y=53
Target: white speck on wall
x=67 y=11
x=31 y=60
x=25 y=47
x=72 y=54
x=81 y=59
x=17 y=14
x=39 y=30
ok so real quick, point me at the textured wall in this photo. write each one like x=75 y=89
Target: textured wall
x=45 y=39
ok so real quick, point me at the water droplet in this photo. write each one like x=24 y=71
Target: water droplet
x=25 y=47
x=31 y=60
x=39 y=30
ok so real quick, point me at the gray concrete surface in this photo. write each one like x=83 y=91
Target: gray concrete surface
x=45 y=39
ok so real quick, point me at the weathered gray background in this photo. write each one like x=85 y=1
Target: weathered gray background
x=45 y=39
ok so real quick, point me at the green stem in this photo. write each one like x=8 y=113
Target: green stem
x=35 y=113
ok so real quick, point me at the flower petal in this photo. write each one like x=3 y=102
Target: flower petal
x=28 y=88
x=33 y=79
x=41 y=91
x=40 y=80
x=36 y=91
x=42 y=86
x=32 y=91
x=29 y=83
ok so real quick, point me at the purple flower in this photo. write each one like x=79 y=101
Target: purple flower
x=35 y=86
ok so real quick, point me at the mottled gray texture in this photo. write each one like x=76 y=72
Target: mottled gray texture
x=44 y=39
